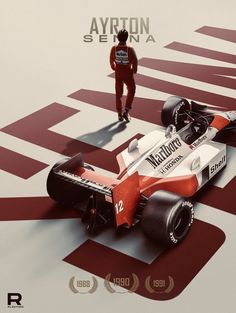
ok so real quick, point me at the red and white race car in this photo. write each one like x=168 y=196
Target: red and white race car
x=159 y=175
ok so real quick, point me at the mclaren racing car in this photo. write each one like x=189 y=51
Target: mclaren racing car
x=159 y=175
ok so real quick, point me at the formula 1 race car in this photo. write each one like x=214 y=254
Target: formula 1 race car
x=159 y=175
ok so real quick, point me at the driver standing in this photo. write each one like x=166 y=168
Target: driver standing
x=123 y=61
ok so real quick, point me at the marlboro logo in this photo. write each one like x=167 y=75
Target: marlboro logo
x=164 y=152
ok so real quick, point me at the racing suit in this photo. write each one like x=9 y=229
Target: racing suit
x=123 y=61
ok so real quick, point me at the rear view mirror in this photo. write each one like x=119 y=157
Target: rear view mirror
x=133 y=145
x=170 y=131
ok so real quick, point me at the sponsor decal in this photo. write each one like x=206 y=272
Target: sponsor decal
x=197 y=142
x=217 y=165
x=172 y=238
x=164 y=152
x=177 y=112
x=190 y=205
x=170 y=164
x=105 y=29
x=122 y=57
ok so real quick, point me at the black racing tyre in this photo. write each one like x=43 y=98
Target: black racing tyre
x=63 y=191
x=174 y=112
x=167 y=218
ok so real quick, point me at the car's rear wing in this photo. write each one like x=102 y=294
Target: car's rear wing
x=123 y=194
x=86 y=183
x=81 y=174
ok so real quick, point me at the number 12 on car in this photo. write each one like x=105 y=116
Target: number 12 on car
x=119 y=207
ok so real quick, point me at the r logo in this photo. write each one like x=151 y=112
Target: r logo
x=14 y=298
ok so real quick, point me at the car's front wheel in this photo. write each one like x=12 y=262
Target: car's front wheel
x=175 y=111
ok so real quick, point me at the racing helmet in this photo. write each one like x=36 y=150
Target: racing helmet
x=122 y=35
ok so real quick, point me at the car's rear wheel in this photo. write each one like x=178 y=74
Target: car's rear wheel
x=175 y=111
x=167 y=218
